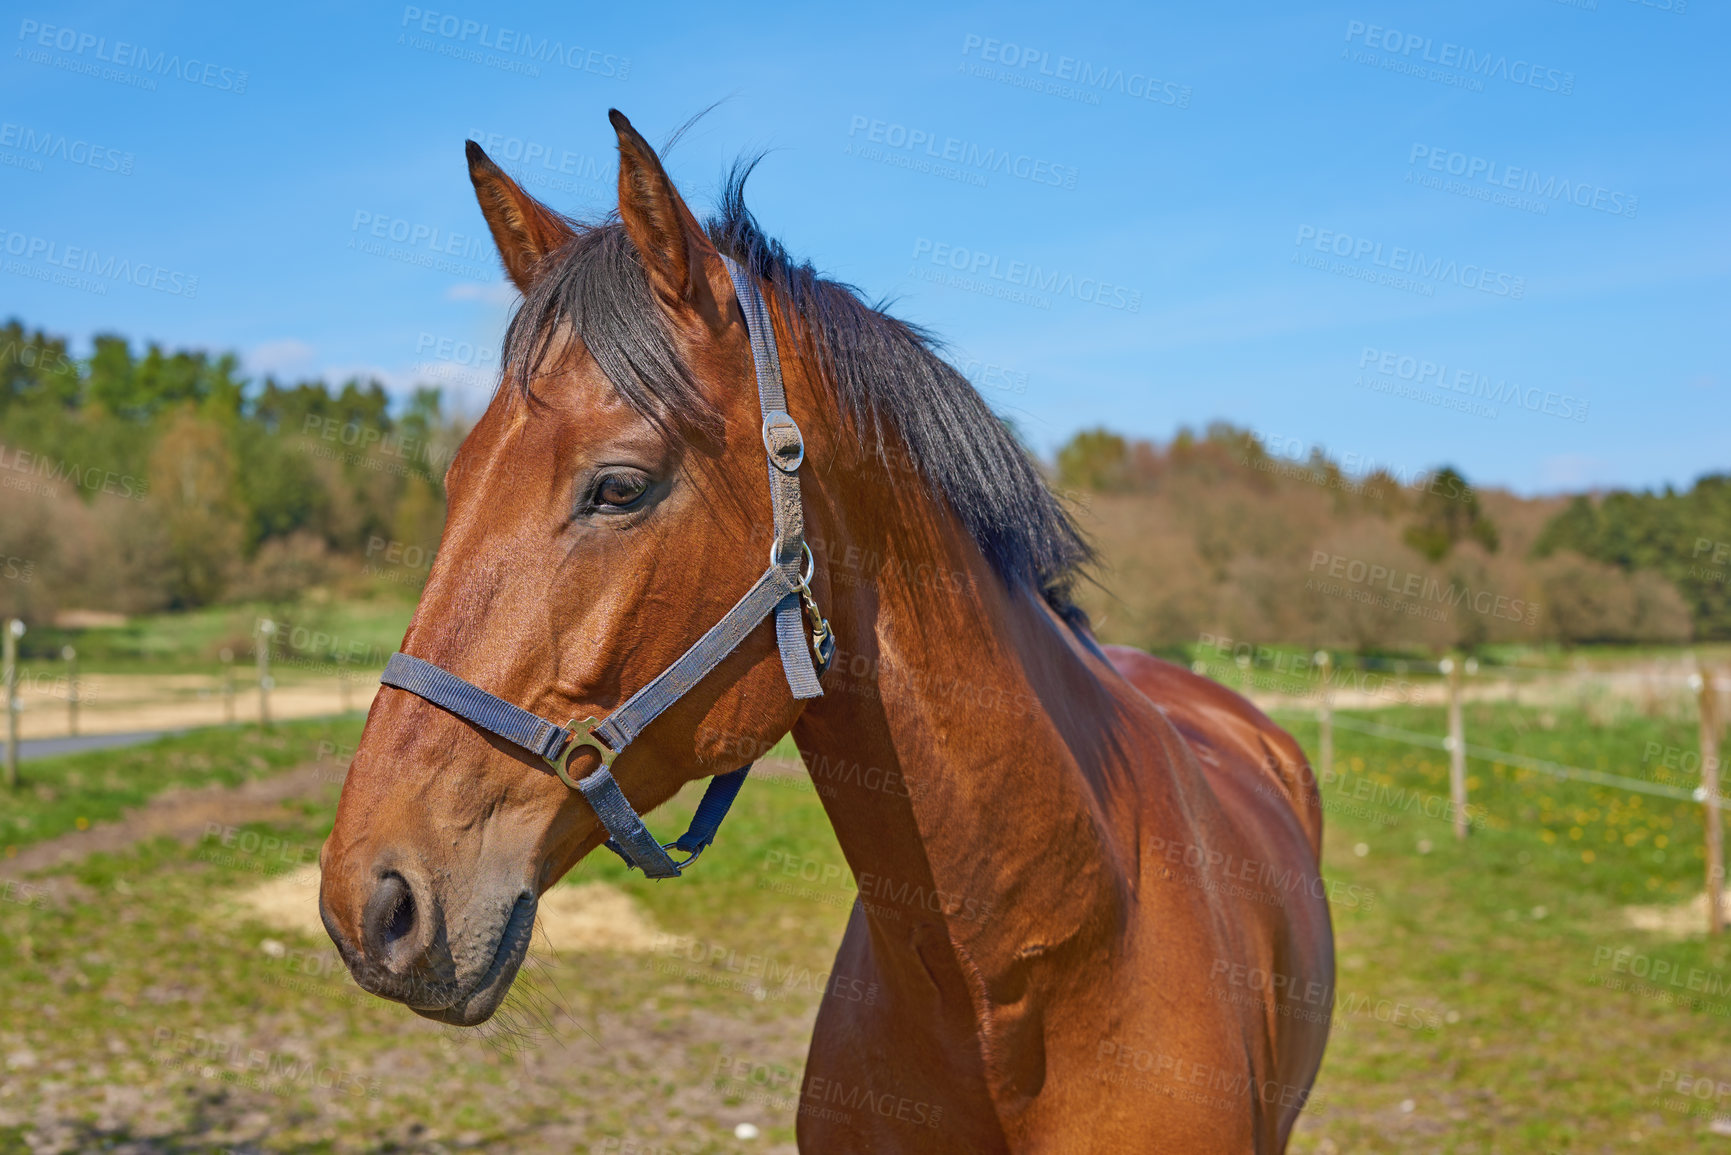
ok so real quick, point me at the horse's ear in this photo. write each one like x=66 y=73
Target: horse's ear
x=524 y=229
x=677 y=256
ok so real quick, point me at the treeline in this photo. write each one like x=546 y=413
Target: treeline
x=1213 y=534
x=1684 y=536
x=157 y=479
x=138 y=480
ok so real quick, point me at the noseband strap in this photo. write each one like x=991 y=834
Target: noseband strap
x=783 y=593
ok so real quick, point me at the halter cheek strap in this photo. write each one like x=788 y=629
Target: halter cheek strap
x=783 y=592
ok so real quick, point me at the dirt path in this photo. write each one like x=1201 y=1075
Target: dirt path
x=117 y=703
x=180 y=813
x=188 y=814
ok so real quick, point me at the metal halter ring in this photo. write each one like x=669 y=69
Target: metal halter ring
x=810 y=562
x=582 y=735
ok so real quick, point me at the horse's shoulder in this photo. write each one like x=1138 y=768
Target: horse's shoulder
x=1230 y=735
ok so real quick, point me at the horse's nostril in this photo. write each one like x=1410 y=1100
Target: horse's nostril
x=402 y=919
x=389 y=918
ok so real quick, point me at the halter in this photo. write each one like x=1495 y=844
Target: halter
x=783 y=591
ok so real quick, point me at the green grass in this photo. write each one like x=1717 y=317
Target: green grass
x=1491 y=988
x=149 y=966
x=73 y=791
x=1557 y=1043
x=1623 y=846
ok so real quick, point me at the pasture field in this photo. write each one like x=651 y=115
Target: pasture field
x=366 y=630
x=1491 y=996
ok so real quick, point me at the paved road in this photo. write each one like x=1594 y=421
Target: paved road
x=43 y=747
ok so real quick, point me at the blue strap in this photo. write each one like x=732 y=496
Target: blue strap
x=717 y=801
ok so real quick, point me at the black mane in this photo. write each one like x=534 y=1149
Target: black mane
x=905 y=401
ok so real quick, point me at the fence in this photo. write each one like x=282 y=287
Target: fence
x=1709 y=689
x=70 y=701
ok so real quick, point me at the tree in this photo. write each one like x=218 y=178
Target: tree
x=1094 y=459
x=192 y=484
x=1448 y=513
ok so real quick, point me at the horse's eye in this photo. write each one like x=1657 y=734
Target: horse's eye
x=620 y=490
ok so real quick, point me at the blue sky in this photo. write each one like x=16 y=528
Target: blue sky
x=1487 y=234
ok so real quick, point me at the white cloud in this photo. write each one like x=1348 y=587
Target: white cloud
x=1573 y=471
x=284 y=357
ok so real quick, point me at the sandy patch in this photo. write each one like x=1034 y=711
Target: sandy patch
x=592 y=916
x=1683 y=920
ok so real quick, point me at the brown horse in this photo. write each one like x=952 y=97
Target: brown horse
x=1090 y=902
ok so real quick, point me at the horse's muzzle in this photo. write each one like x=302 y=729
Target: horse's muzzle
x=406 y=950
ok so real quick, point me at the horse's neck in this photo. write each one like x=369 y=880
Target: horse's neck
x=962 y=750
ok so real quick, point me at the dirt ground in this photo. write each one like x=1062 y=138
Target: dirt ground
x=614 y=1030
x=125 y=703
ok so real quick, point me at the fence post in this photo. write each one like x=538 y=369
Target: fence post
x=1325 y=719
x=1706 y=700
x=1457 y=747
x=14 y=631
x=266 y=630
x=227 y=656
x=71 y=656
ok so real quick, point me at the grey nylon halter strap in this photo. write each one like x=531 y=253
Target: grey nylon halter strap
x=782 y=592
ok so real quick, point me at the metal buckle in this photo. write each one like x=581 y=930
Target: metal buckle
x=779 y=419
x=582 y=735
